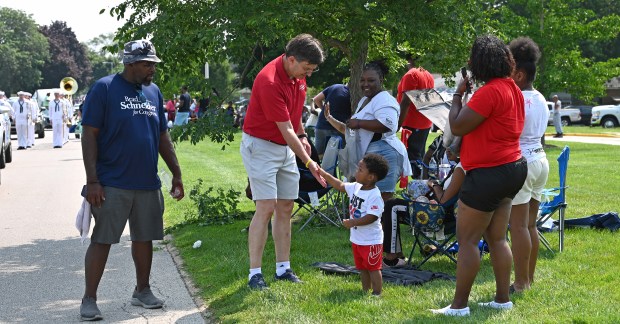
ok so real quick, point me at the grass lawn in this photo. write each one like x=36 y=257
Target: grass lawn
x=582 y=129
x=579 y=285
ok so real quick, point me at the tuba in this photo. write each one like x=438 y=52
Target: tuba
x=69 y=85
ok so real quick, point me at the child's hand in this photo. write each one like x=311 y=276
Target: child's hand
x=347 y=223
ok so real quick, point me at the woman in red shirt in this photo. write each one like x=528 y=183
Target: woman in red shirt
x=490 y=124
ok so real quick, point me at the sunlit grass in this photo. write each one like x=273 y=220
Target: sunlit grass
x=579 y=285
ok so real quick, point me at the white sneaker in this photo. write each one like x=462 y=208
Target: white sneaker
x=451 y=312
x=496 y=305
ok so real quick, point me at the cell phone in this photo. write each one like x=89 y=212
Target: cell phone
x=83 y=193
x=467 y=85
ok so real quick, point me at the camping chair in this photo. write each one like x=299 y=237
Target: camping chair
x=318 y=201
x=433 y=224
x=557 y=204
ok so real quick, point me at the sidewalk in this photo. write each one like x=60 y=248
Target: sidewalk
x=42 y=258
x=585 y=138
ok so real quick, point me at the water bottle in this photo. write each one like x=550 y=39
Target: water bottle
x=166 y=180
x=444 y=169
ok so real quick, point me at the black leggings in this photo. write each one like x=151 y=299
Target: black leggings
x=394 y=213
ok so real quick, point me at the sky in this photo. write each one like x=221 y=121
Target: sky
x=81 y=15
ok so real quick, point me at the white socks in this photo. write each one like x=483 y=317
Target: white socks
x=281 y=267
x=254 y=271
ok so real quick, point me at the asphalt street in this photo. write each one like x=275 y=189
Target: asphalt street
x=42 y=258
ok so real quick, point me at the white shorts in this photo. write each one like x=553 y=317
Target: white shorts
x=271 y=168
x=537 y=173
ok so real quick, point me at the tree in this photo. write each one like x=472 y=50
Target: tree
x=68 y=57
x=102 y=62
x=562 y=29
x=23 y=51
x=358 y=30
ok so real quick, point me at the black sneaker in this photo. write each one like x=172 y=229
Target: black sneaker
x=288 y=275
x=257 y=282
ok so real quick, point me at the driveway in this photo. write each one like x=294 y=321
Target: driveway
x=42 y=258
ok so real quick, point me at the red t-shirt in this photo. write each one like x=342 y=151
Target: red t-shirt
x=415 y=79
x=275 y=98
x=496 y=140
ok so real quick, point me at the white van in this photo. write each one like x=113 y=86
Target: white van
x=43 y=97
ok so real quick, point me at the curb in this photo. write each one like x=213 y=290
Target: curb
x=194 y=292
x=587 y=135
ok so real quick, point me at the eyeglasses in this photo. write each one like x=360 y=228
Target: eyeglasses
x=316 y=69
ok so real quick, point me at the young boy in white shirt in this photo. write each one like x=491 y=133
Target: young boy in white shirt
x=365 y=209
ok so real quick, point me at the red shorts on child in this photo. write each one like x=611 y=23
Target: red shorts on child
x=367 y=257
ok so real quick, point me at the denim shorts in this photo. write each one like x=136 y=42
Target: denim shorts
x=395 y=162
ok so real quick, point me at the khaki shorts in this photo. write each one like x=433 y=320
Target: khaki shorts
x=271 y=168
x=143 y=208
x=537 y=173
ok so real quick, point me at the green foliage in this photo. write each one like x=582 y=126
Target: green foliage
x=219 y=207
x=359 y=30
x=23 y=51
x=578 y=285
x=68 y=57
x=216 y=126
x=564 y=30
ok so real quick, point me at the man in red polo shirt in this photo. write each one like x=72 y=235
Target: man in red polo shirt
x=410 y=118
x=273 y=134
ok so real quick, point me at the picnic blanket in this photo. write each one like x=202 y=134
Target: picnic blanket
x=404 y=276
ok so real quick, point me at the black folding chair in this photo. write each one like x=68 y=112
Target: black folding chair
x=325 y=205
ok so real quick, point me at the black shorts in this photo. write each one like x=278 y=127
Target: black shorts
x=484 y=188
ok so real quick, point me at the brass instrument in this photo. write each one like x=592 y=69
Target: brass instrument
x=70 y=86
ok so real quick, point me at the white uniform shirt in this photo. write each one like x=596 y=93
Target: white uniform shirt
x=21 y=111
x=34 y=109
x=57 y=109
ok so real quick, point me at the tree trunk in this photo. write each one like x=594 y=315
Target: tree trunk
x=357 y=60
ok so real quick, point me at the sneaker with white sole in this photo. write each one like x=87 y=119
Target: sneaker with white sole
x=146 y=299
x=496 y=305
x=89 y=310
x=288 y=275
x=257 y=282
x=451 y=312
x=401 y=262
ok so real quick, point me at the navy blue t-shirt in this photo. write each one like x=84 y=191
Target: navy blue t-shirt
x=339 y=105
x=129 y=130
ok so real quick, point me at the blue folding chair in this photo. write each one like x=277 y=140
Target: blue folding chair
x=557 y=204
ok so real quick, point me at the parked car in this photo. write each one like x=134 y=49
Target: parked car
x=6 y=155
x=45 y=118
x=568 y=115
x=606 y=116
x=586 y=113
